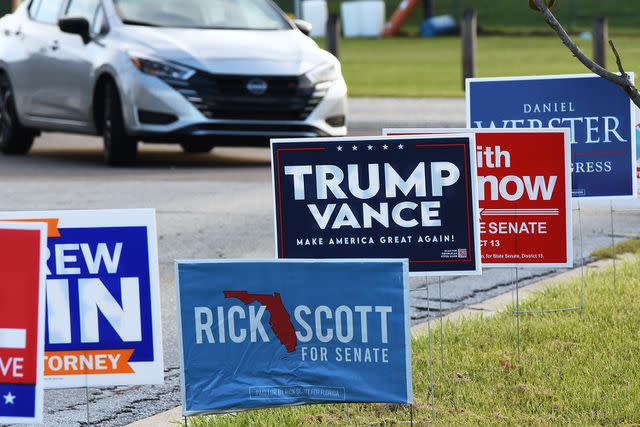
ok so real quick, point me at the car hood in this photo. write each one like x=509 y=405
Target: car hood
x=282 y=52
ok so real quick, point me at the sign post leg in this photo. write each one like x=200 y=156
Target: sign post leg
x=513 y=294
x=581 y=261
x=613 y=246
x=518 y=314
x=186 y=423
x=86 y=389
x=441 y=324
x=431 y=387
x=348 y=414
x=411 y=414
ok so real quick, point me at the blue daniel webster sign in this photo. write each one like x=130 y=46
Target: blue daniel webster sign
x=598 y=113
x=379 y=197
x=272 y=333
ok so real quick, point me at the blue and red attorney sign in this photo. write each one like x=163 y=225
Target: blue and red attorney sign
x=22 y=252
x=272 y=333
x=103 y=323
x=379 y=197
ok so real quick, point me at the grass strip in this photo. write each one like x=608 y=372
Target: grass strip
x=416 y=68
x=575 y=371
x=628 y=246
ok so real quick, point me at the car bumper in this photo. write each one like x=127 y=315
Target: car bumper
x=230 y=134
x=149 y=99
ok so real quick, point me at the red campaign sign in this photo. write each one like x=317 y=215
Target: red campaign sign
x=524 y=188
x=22 y=249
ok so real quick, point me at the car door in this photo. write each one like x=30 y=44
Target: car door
x=31 y=77
x=18 y=60
x=74 y=64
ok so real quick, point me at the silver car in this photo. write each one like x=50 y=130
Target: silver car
x=195 y=72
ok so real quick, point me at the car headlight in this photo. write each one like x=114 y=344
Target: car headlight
x=162 y=69
x=327 y=72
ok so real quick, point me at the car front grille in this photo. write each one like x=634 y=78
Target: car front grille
x=219 y=96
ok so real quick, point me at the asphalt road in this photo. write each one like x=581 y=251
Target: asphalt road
x=219 y=206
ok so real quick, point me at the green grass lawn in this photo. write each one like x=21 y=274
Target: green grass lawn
x=577 y=15
x=515 y=15
x=415 y=67
x=575 y=371
x=628 y=246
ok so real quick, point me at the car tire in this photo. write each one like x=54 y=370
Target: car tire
x=120 y=148
x=14 y=138
x=197 y=148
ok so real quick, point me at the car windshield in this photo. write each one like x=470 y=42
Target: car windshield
x=206 y=14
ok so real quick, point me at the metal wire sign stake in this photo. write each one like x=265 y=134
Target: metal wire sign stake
x=613 y=245
x=518 y=315
x=613 y=248
x=582 y=279
x=411 y=414
x=431 y=386
x=580 y=308
x=441 y=324
x=86 y=389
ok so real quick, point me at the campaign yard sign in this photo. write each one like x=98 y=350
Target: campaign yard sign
x=103 y=323
x=598 y=113
x=22 y=255
x=379 y=197
x=258 y=334
x=524 y=187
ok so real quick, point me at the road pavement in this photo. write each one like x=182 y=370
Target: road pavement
x=219 y=206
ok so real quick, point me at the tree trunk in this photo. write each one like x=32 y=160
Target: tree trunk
x=469 y=35
x=600 y=37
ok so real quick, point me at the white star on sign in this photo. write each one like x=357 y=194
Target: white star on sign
x=401 y=147
x=339 y=147
x=9 y=398
x=355 y=148
x=385 y=147
x=370 y=147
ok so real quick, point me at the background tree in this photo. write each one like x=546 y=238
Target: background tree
x=623 y=80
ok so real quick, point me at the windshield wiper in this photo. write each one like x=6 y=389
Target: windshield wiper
x=139 y=23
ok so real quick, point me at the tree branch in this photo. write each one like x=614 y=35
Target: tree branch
x=621 y=80
x=618 y=60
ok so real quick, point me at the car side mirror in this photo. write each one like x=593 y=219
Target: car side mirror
x=303 y=26
x=75 y=25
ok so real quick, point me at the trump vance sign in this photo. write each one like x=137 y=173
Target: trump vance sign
x=369 y=197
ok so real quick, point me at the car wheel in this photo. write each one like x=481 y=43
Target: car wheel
x=120 y=149
x=197 y=148
x=14 y=138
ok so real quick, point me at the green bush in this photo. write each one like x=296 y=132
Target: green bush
x=5 y=7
